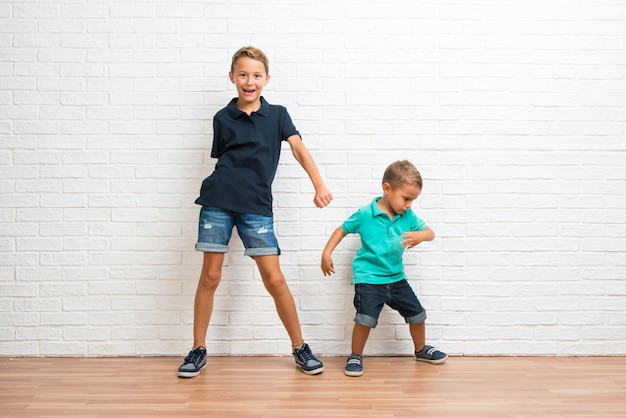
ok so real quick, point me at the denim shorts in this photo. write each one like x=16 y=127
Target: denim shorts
x=369 y=300
x=215 y=229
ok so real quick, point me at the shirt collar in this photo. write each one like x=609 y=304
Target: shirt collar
x=235 y=112
x=376 y=211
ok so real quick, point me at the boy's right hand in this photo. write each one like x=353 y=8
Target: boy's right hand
x=327 y=265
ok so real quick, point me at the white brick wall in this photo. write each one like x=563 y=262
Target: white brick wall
x=515 y=112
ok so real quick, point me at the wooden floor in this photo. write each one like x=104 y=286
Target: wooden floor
x=273 y=387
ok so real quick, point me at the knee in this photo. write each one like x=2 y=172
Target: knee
x=210 y=279
x=275 y=283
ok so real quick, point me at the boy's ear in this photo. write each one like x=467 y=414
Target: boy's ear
x=231 y=77
x=386 y=187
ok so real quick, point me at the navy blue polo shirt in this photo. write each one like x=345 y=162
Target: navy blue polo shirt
x=248 y=150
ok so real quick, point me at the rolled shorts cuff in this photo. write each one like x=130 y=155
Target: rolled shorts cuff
x=211 y=248
x=254 y=252
x=366 y=320
x=416 y=319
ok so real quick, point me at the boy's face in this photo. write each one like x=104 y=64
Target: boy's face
x=249 y=77
x=401 y=198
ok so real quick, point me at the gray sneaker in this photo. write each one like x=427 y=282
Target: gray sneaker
x=306 y=360
x=430 y=354
x=354 y=366
x=194 y=362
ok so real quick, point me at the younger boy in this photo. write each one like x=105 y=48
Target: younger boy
x=387 y=226
x=247 y=138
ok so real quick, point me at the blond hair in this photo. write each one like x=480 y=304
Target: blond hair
x=250 y=52
x=402 y=172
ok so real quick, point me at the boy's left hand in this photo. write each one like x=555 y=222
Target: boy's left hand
x=411 y=239
x=323 y=197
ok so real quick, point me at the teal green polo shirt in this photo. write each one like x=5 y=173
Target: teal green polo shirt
x=379 y=260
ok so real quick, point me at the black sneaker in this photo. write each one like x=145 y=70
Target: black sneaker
x=431 y=355
x=306 y=360
x=354 y=366
x=194 y=362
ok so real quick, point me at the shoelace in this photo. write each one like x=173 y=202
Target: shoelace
x=354 y=361
x=193 y=357
x=305 y=353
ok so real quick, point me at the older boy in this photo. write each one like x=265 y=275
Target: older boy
x=387 y=226
x=247 y=137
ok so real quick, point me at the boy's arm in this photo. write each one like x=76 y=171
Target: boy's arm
x=411 y=239
x=333 y=241
x=323 y=196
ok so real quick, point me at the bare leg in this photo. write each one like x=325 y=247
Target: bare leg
x=276 y=285
x=359 y=338
x=210 y=277
x=418 y=333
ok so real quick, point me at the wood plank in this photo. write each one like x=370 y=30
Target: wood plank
x=272 y=387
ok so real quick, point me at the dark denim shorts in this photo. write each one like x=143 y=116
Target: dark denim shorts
x=369 y=300
x=215 y=229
